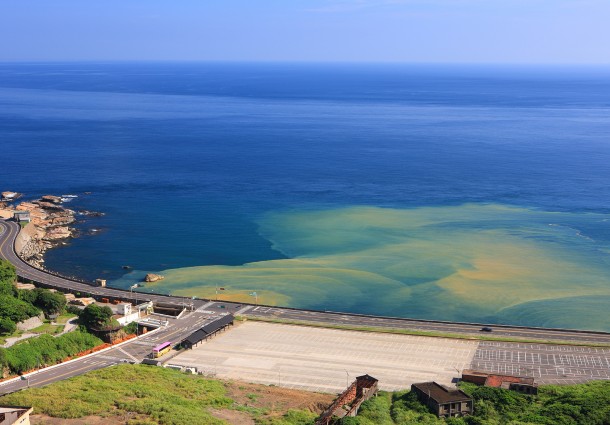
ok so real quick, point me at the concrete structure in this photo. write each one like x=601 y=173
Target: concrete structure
x=133 y=317
x=207 y=331
x=520 y=384
x=349 y=401
x=100 y=282
x=15 y=415
x=22 y=216
x=442 y=401
x=124 y=309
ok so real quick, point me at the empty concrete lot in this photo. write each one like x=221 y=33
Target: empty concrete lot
x=548 y=364
x=324 y=360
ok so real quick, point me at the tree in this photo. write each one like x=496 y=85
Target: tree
x=96 y=317
x=7 y=326
x=15 y=309
x=50 y=302
x=7 y=272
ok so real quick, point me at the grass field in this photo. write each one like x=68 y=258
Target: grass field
x=152 y=395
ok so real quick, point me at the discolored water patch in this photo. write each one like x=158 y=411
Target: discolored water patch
x=472 y=262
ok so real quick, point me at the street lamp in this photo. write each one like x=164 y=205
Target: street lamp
x=135 y=285
x=218 y=288
x=346 y=378
x=255 y=295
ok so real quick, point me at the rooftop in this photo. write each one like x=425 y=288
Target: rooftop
x=496 y=380
x=441 y=394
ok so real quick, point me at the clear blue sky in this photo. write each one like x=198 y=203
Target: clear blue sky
x=463 y=31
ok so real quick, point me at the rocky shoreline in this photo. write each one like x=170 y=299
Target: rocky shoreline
x=48 y=227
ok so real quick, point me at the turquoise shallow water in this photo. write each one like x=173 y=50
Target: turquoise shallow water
x=456 y=193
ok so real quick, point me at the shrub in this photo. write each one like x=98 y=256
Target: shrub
x=7 y=326
x=49 y=302
x=15 y=309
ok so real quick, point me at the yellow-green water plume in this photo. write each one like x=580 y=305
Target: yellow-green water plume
x=469 y=263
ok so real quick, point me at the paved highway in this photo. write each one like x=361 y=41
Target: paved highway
x=8 y=233
x=131 y=351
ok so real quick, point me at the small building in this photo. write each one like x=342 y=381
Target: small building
x=349 y=401
x=22 y=216
x=207 y=331
x=522 y=384
x=100 y=282
x=443 y=401
x=124 y=309
x=15 y=415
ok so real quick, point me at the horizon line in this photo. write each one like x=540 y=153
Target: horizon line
x=304 y=62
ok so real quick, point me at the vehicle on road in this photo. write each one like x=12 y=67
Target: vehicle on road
x=486 y=329
x=161 y=349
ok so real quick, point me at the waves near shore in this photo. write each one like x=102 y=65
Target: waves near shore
x=472 y=262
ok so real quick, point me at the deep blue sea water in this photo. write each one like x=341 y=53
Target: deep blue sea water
x=185 y=158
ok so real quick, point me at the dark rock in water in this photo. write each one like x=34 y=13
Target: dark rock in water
x=91 y=213
x=52 y=199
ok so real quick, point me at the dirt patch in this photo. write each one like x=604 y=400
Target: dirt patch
x=233 y=417
x=87 y=420
x=275 y=399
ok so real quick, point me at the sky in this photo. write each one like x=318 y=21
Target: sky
x=413 y=31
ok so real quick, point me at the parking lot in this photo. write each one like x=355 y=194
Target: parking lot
x=325 y=360
x=549 y=364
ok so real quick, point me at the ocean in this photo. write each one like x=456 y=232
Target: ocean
x=470 y=193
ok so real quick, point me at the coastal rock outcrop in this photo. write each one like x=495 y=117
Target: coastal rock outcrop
x=56 y=233
x=51 y=198
x=10 y=196
x=48 y=227
x=151 y=277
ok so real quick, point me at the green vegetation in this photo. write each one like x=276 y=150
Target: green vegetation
x=586 y=404
x=96 y=317
x=44 y=350
x=131 y=328
x=146 y=395
x=8 y=275
x=49 y=302
x=292 y=417
x=15 y=309
x=17 y=305
x=7 y=326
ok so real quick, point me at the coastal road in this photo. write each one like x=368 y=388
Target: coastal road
x=9 y=231
x=131 y=351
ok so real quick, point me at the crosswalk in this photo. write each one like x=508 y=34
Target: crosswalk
x=204 y=307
